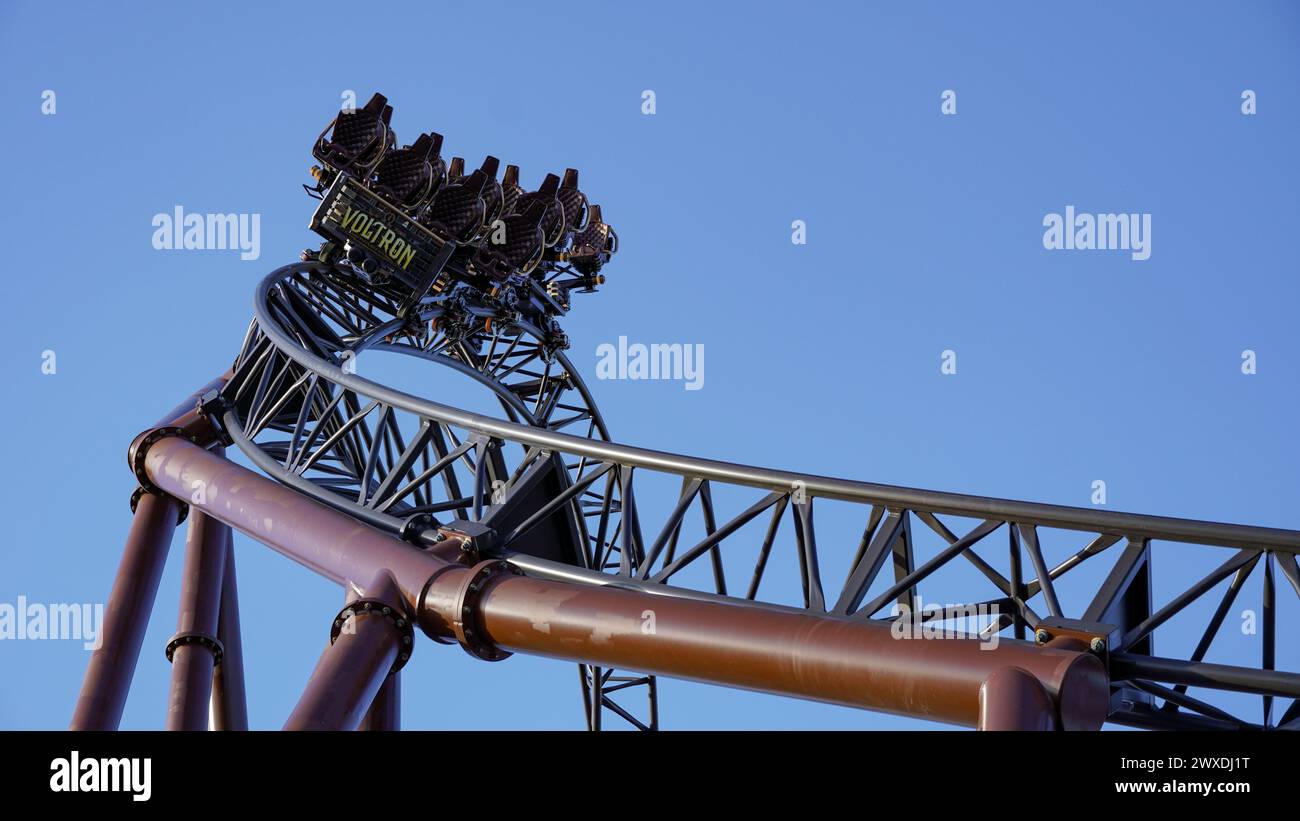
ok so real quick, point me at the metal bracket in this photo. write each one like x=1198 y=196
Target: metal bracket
x=1092 y=637
x=213 y=406
x=475 y=538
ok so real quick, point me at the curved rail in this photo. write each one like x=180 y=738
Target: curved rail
x=958 y=504
x=347 y=444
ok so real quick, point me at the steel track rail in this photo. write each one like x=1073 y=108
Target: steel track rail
x=1132 y=525
x=286 y=359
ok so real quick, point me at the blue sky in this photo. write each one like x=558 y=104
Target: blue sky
x=924 y=234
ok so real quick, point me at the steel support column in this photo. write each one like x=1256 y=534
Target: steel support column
x=385 y=711
x=195 y=651
x=362 y=654
x=126 y=617
x=1013 y=699
x=108 y=678
x=229 y=702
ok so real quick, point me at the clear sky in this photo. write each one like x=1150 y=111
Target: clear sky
x=924 y=234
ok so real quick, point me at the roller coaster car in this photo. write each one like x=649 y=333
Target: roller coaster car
x=409 y=176
x=593 y=246
x=357 y=140
x=519 y=252
x=404 y=219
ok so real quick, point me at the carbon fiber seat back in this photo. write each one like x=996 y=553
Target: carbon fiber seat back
x=553 y=223
x=457 y=211
x=408 y=176
x=357 y=140
x=522 y=246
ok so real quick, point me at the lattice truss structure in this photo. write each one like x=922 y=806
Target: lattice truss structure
x=543 y=486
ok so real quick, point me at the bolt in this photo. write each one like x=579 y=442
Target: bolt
x=1098 y=645
x=1041 y=636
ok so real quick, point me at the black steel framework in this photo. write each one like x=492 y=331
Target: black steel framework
x=545 y=487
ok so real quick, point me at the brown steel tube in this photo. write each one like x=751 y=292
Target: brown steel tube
x=811 y=656
x=352 y=669
x=206 y=546
x=1012 y=699
x=229 y=702
x=324 y=540
x=385 y=711
x=108 y=677
x=112 y=665
x=846 y=662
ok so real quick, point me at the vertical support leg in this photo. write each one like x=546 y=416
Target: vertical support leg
x=385 y=711
x=108 y=678
x=195 y=651
x=1012 y=699
x=229 y=702
x=365 y=644
x=652 y=693
x=597 y=695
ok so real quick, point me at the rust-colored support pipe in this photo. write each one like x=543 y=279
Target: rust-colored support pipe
x=365 y=647
x=815 y=656
x=229 y=701
x=842 y=661
x=130 y=603
x=195 y=650
x=1012 y=699
x=385 y=711
x=112 y=665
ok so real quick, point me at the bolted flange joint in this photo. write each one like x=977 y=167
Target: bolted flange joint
x=194 y=426
x=140 y=491
x=210 y=643
x=375 y=607
x=139 y=451
x=468 y=626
